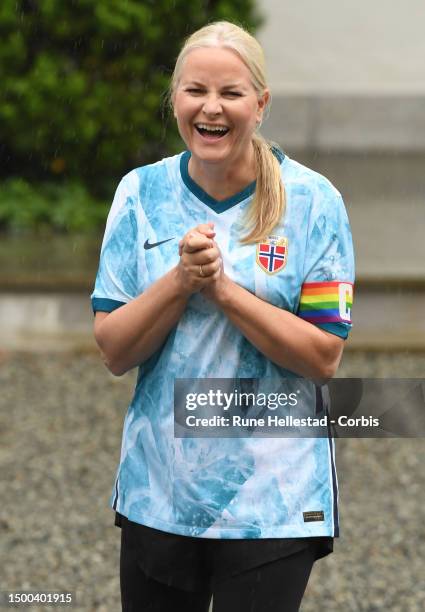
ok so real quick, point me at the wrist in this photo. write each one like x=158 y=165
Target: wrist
x=179 y=288
x=223 y=292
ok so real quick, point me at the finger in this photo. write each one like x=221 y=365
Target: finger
x=215 y=276
x=207 y=229
x=196 y=241
x=209 y=269
x=193 y=268
x=184 y=241
x=204 y=256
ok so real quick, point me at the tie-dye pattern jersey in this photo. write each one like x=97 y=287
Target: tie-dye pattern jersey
x=224 y=487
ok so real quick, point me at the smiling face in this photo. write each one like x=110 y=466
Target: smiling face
x=216 y=106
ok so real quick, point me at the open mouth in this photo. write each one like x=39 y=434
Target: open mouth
x=211 y=132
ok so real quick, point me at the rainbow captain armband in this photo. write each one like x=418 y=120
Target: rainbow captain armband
x=326 y=302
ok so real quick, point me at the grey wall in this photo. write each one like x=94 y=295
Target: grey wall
x=341 y=46
x=346 y=76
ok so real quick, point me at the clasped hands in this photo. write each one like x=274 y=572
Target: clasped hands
x=201 y=266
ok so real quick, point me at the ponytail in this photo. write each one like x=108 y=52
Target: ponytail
x=268 y=205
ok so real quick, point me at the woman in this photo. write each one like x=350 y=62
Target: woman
x=229 y=260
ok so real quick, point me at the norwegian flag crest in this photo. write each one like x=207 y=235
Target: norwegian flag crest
x=272 y=254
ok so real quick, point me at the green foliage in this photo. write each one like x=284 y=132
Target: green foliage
x=81 y=92
x=63 y=208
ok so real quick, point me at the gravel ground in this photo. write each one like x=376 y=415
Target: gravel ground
x=60 y=429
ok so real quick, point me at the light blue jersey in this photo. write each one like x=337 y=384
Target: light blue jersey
x=226 y=487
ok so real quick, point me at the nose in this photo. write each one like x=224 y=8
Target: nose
x=212 y=105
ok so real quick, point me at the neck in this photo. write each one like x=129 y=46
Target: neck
x=223 y=180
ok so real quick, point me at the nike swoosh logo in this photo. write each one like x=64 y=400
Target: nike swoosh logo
x=150 y=245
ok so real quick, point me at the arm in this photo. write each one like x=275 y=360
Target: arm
x=281 y=336
x=132 y=333
x=303 y=343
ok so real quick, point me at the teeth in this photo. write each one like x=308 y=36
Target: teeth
x=212 y=128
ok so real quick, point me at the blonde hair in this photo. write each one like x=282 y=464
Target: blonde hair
x=268 y=205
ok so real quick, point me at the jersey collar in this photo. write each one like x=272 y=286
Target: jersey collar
x=218 y=206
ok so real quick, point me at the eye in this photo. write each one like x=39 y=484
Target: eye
x=194 y=90
x=232 y=93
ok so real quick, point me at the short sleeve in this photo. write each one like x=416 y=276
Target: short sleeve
x=116 y=280
x=328 y=278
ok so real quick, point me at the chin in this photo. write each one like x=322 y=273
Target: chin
x=209 y=156
x=205 y=154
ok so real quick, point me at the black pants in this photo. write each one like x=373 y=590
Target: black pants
x=277 y=586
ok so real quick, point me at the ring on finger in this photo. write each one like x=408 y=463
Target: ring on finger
x=201 y=272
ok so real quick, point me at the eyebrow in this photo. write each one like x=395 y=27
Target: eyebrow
x=228 y=86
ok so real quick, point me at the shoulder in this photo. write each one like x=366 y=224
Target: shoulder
x=315 y=191
x=304 y=178
x=167 y=166
x=139 y=191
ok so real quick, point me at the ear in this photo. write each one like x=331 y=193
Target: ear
x=262 y=103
